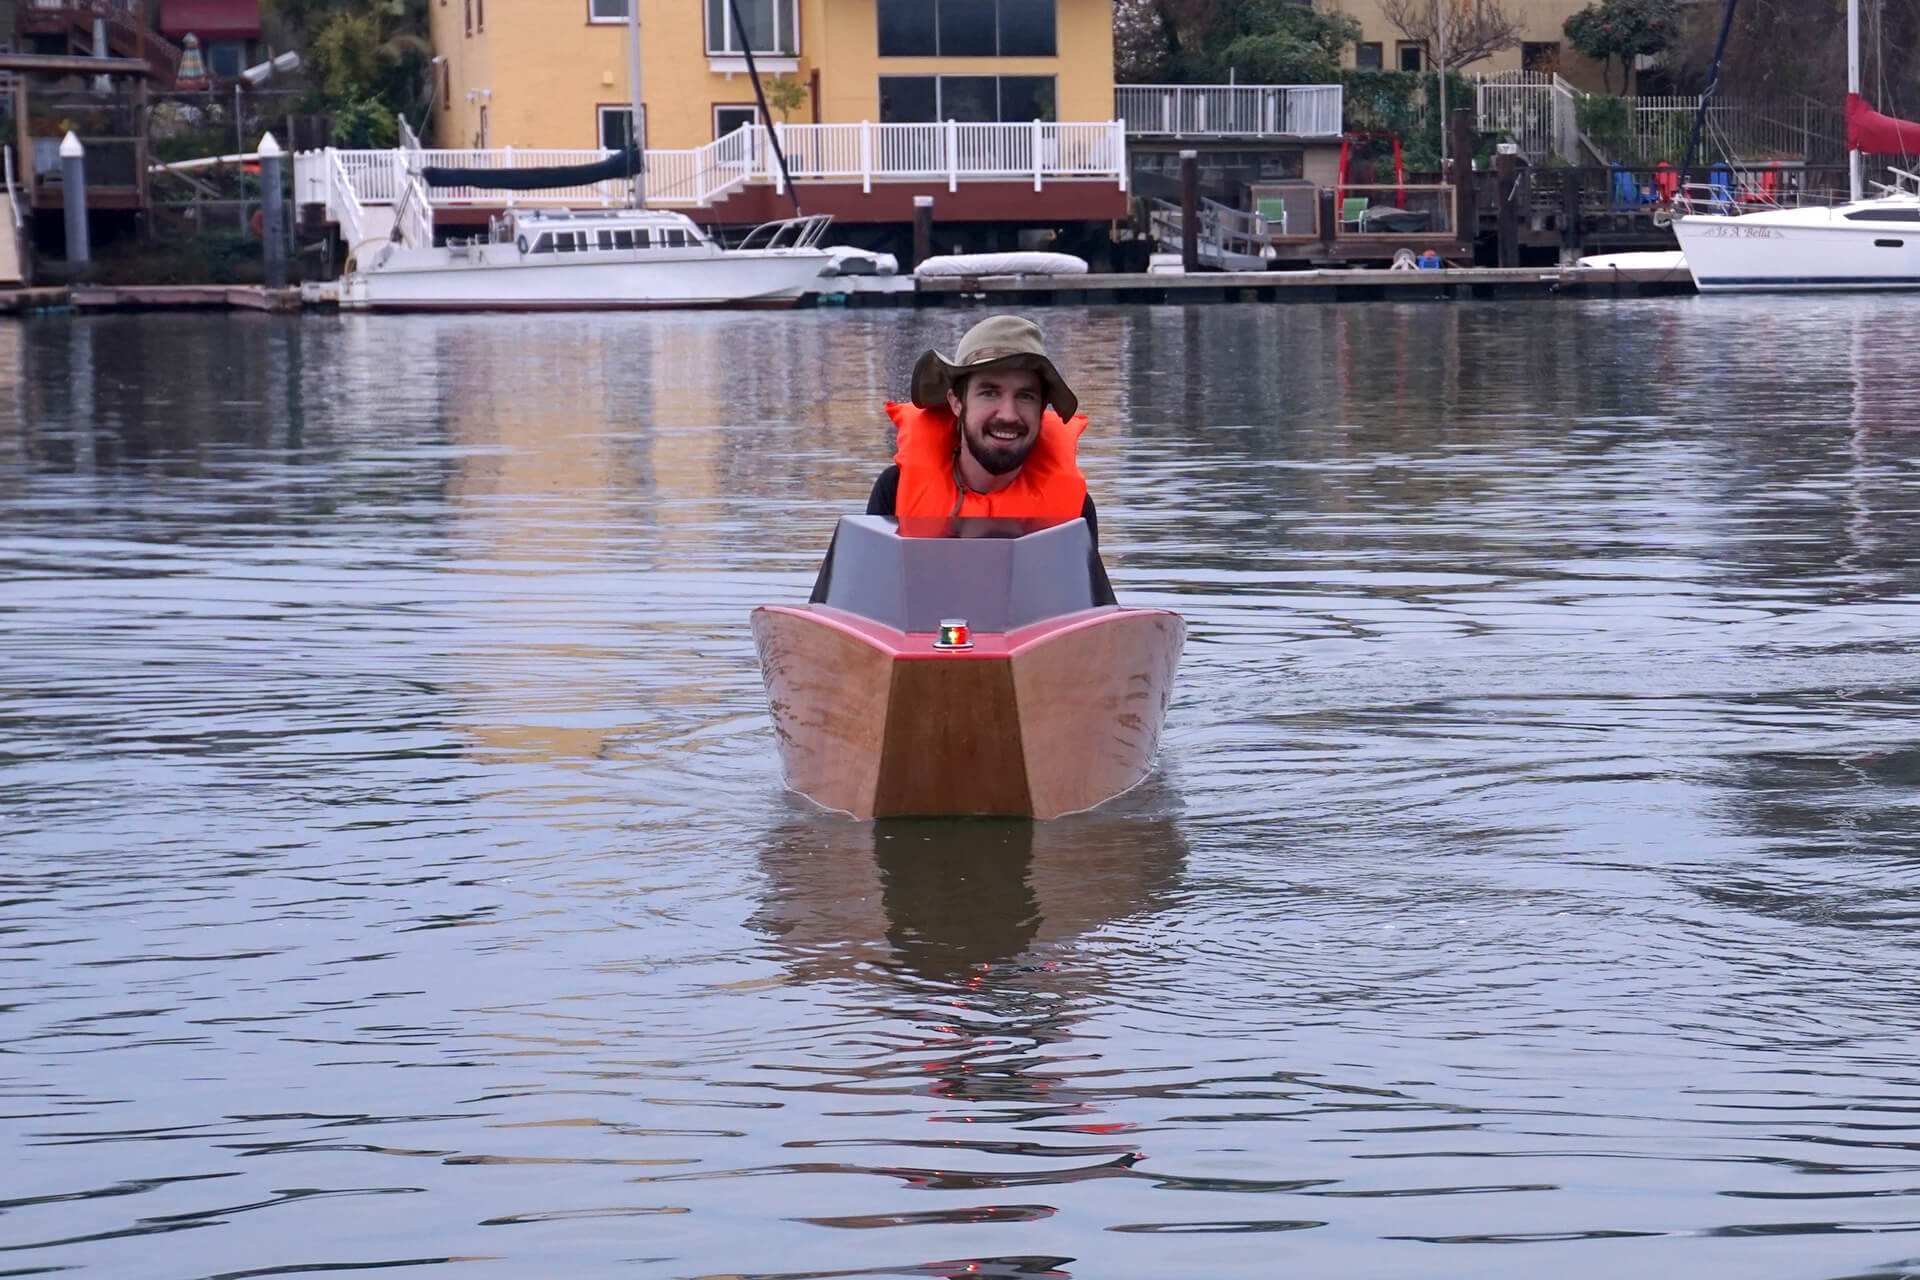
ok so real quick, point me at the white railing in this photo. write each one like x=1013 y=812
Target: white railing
x=1536 y=110
x=1216 y=110
x=409 y=140
x=866 y=153
x=343 y=200
x=702 y=175
x=607 y=193
x=413 y=215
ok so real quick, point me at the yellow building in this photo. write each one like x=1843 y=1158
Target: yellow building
x=1543 y=45
x=553 y=73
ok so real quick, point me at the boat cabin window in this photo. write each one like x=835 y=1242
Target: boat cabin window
x=1884 y=215
x=623 y=239
x=544 y=244
x=675 y=238
x=606 y=239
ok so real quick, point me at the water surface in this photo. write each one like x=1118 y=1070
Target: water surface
x=396 y=873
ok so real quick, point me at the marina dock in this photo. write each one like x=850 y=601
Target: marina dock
x=1332 y=285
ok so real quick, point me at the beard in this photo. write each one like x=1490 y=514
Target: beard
x=996 y=457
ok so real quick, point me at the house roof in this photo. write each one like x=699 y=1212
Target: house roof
x=210 y=19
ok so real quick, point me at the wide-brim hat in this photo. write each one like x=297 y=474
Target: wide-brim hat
x=998 y=342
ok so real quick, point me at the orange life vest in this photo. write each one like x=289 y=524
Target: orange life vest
x=1049 y=484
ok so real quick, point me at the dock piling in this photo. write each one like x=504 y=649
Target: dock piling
x=73 y=199
x=1506 y=176
x=273 y=233
x=1190 y=211
x=922 y=229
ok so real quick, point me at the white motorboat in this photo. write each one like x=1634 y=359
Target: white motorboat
x=592 y=259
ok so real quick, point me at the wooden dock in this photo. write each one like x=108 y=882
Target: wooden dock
x=1328 y=285
x=152 y=297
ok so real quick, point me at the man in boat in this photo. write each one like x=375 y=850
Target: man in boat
x=991 y=432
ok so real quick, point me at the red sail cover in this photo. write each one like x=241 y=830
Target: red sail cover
x=1869 y=131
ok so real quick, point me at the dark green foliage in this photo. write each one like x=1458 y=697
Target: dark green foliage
x=1406 y=103
x=1208 y=41
x=1622 y=29
x=361 y=52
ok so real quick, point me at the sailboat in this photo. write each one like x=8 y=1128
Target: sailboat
x=577 y=259
x=1865 y=243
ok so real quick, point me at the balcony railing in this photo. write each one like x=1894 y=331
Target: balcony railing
x=950 y=152
x=1228 y=110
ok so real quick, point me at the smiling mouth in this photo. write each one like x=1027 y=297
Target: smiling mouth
x=1006 y=435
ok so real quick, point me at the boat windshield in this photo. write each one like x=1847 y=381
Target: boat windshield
x=994 y=573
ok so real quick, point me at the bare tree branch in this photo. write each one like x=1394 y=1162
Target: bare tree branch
x=1474 y=29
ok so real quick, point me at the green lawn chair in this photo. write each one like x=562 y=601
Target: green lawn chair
x=1352 y=209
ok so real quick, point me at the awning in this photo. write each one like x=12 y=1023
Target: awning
x=1875 y=134
x=210 y=19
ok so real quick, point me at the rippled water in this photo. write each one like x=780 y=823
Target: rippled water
x=396 y=873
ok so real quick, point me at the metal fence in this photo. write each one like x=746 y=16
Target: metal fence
x=1223 y=110
x=1797 y=129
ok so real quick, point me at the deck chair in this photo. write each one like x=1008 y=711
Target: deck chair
x=1352 y=210
x=1274 y=210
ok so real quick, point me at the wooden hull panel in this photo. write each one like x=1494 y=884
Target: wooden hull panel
x=1050 y=719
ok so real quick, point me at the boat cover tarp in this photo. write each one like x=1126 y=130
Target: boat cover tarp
x=1869 y=131
x=623 y=165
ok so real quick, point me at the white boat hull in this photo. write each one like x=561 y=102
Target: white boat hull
x=1801 y=249
x=498 y=277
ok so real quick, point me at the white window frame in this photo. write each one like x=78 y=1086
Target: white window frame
x=600 y=122
x=718 y=107
x=593 y=14
x=787 y=10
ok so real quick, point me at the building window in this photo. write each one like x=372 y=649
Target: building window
x=225 y=58
x=967 y=99
x=967 y=28
x=728 y=118
x=469 y=12
x=446 y=86
x=479 y=15
x=616 y=128
x=772 y=25
x=1366 y=55
x=1540 y=55
x=606 y=10
x=1410 y=59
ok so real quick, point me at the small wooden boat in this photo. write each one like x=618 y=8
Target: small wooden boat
x=965 y=667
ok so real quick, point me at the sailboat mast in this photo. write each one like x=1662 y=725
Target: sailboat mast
x=1856 y=163
x=634 y=131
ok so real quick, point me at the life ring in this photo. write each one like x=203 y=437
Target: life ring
x=521 y=244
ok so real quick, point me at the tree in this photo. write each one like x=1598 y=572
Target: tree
x=1210 y=41
x=358 y=51
x=784 y=93
x=1452 y=34
x=1623 y=29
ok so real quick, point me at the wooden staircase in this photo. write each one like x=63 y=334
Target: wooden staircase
x=128 y=34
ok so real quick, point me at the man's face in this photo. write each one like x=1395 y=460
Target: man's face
x=1000 y=417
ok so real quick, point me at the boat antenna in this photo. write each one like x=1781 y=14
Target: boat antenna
x=760 y=96
x=1706 y=94
x=636 y=152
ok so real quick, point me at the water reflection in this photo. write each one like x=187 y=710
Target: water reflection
x=920 y=901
